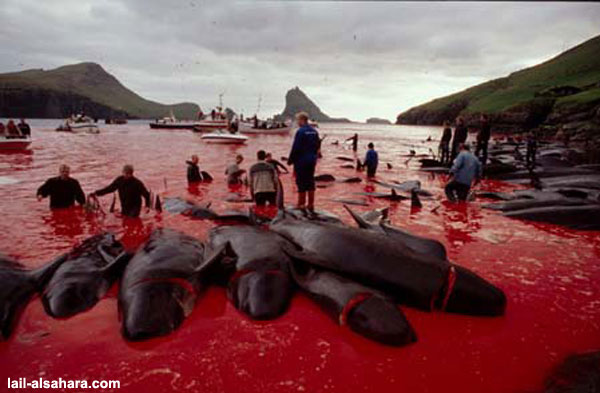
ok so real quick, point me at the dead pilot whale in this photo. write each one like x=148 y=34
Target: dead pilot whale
x=83 y=279
x=162 y=281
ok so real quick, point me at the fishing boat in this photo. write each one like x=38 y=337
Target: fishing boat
x=115 y=121
x=224 y=137
x=79 y=124
x=264 y=128
x=217 y=120
x=171 y=123
x=14 y=143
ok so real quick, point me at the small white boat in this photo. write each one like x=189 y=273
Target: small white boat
x=221 y=136
x=14 y=143
x=79 y=125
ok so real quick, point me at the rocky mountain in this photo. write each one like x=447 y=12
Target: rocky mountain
x=297 y=101
x=561 y=93
x=377 y=120
x=79 y=87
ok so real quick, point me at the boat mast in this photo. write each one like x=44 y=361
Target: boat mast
x=258 y=105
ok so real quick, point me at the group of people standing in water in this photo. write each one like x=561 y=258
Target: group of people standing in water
x=263 y=176
x=450 y=143
x=64 y=191
x=465 y=167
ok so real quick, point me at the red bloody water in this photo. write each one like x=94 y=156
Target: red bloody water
x=549 y=275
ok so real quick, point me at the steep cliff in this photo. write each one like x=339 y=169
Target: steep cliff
x=297 y=101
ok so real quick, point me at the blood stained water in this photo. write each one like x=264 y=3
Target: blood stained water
x=548 y=273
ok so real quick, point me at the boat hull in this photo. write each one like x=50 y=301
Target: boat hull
x=245 y=128
x=174 y=126
x=224 y=139
x=14 y=143
x=208 y=126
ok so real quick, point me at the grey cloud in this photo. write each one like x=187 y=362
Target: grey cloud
x=355 y=59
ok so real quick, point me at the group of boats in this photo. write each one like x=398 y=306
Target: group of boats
x=218 y=128
x=215 y=127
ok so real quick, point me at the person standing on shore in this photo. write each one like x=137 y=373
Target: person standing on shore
x=354 y=140
x=263 y=181
x=483 y=138
x=371 y=160
x=131 y=191
x=531 y=150
x=304 y=154
x=444 y=149
x=460 y=136
x=465 y=169
x=63 y=190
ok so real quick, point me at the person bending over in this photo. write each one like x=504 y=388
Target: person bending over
x=233 y=171
x=465 y=169
x=131 y=191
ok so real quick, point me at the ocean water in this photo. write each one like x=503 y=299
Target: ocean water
x=548 y=273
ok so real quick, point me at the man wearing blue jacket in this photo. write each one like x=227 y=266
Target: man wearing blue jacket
x=465 y=169
x=303 y=156
x=371 y=160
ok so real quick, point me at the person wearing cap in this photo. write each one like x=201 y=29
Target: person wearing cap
x=63 y=190
x=131 y=191
x=465 y=169
x=304 y=155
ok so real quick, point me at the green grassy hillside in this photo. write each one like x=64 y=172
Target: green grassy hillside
x=572 y=78
x=91 y=81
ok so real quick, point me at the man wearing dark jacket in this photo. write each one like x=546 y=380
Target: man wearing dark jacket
x=460 y=137
x=131 y=190
x=304 y=154
x=371 y=160
x=24 y=128
x=193 y=170
x=63 y=190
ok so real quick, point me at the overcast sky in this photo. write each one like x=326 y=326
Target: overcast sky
x=354 y=60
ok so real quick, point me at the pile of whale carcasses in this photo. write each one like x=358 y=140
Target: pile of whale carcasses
x=358 y=275
x=560 y=189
